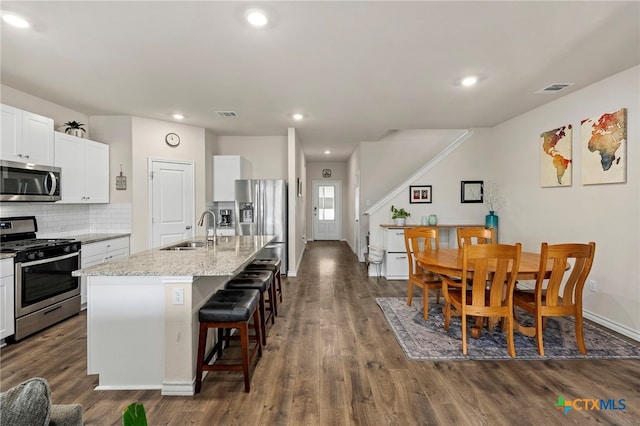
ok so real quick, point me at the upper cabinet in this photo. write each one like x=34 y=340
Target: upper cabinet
x=226 y=169
x=85 y=169
x=26 y=137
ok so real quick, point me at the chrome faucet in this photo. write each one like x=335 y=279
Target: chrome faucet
x=205 y=214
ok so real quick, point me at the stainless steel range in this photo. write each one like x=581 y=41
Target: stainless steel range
x=45 y=291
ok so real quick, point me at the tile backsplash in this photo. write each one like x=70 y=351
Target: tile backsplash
x=65 y=219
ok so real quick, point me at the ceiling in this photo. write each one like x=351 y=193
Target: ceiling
x=356 y=70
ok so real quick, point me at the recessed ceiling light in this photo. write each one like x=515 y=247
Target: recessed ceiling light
x=256 y=17
x=178 y=116
x=14 y=20
x=469 y=81
x=326 y=151
x=297 y=116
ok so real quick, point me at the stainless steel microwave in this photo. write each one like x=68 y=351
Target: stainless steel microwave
x=29 y=182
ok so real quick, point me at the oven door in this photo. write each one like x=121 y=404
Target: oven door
x=42 y=283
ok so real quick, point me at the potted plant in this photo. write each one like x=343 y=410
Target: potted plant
x=74 y=128
x=399 y=215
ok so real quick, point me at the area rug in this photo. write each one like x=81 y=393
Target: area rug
x=427 y=340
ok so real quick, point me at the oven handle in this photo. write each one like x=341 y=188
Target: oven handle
x=48 y=260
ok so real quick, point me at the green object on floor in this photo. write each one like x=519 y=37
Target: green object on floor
x=134 y=415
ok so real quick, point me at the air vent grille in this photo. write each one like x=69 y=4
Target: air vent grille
x=227 y=114
x=554 y=88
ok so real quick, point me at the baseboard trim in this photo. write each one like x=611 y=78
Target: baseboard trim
x=127 y=387
x=612 y=325
x=179 y=388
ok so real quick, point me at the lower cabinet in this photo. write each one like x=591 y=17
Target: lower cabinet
x=7 y=299
x=396 y=265
x=98 y=253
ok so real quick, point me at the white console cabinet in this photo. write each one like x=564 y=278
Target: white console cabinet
x=98 y=253
x=396 y=265
x=7 y=302
x=226 y=170
x=85 y=169
x=26 y=137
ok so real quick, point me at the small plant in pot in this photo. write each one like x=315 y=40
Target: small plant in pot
x=74 y=128
x=399 y=215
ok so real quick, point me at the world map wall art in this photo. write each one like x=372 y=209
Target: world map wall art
x=555 y=158
x=604 y=148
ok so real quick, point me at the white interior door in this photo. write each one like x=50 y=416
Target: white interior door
x=327 y=209
x=172 y=201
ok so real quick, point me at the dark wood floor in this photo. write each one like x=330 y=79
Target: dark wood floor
x=332 y=360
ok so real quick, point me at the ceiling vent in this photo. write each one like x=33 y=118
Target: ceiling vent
x=554 y=88
x=227 y=114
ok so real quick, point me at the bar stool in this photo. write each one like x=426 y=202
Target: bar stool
x=270 y=264
x=229 y=309
x=262 y=281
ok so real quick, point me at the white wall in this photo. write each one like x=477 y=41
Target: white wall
x=211 y=148
x=468 y=162
x=297 y=232
x=116 y=131
x=355 y=232
x=268 y=154
x=607 y=214
x=148 y=142
x=27 y=102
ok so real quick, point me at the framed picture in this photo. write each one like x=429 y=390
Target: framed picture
x=420 y=194
x=299 y=187
x=604 y=148
x=471 y=191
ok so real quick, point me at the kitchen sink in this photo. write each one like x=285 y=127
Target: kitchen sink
x=189 y=245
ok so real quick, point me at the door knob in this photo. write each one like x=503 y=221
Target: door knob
x=188 y=227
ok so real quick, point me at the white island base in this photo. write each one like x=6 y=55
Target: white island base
x=140 y=335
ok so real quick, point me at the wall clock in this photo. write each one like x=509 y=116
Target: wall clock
x=172 y=139
x=326 y=173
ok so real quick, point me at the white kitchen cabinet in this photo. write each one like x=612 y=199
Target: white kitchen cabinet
x=98 y=253
x=26 y=137
x=7 y=299
x=85 y=169
x=396 y=265
x=226 y=170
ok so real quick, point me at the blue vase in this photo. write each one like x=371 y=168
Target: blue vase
x=491 y=221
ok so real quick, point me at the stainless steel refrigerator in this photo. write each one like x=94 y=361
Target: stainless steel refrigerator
x=261 y=209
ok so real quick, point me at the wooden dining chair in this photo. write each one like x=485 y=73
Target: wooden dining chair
x=417 y=240
x=475 y=235
x=550 y=298
x=494 y=263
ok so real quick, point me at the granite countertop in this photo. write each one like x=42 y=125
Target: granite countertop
x=96 y=237
x=6 y=255
x=229 y=255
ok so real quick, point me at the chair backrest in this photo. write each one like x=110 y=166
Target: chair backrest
x=475 y=235
x=571 y=293
x=496 y=264
x=417 y=240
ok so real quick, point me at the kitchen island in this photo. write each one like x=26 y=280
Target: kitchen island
x=142 y=312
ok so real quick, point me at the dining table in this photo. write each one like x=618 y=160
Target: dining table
x=449 y=262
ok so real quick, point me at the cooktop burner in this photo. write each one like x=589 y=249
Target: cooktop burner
x=32 y=243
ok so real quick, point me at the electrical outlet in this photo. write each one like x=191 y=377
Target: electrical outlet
x=593 y=286
x=178 y=296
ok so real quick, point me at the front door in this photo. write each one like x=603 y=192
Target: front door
x=172 y=201
x=327 y=209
